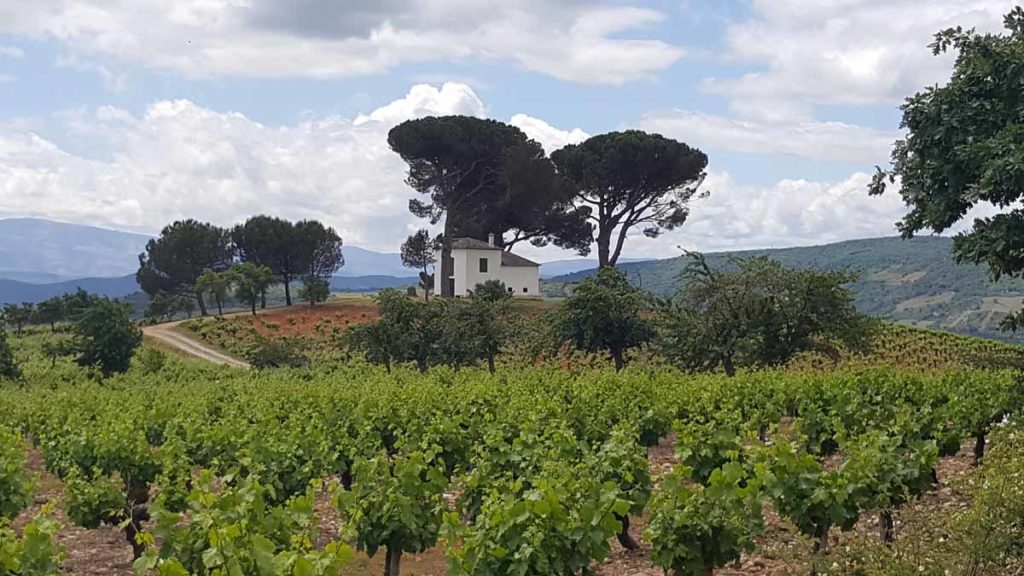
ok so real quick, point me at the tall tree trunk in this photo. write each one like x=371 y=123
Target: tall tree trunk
x=886 y=526
x=979 y=448
x=446 y=269
x=287 y=290
x=220 y=307
x=624 y=538
x=620 y=361
x=426 y=287
x=202 y=305
x=253 y=306
x=730 y=368
x=709 y=570
x=490 y=364
x=263 y=299
x=604 y=240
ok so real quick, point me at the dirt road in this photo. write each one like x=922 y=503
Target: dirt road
x=165 y=333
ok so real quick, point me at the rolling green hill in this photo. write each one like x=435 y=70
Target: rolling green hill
x=913 y=282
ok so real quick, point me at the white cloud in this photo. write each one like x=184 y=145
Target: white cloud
x=424 y=100
x=11 y=52
x=837 y=141
x=550 y=138
x=848 y=52
x=181 y=160
x=788 y=213
x=6 y=78
x=569 y=39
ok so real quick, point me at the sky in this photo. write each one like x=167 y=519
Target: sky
x=130 y=114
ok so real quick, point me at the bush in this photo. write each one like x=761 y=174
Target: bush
x=15 y=489
x=694 y=529
x=8 y=367
x=151 y=360
x=275 y=353
x=315 y=290
x=92 y=502
x=106 y=337
x=34 y=553
x=492 y=291
x=239 y=533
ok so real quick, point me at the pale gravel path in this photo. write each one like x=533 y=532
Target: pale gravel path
x=165 y=333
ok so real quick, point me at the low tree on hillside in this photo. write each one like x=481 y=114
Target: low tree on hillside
x=315 y=290
x=106 y=337
x=77 y=302
x=397 y=336
x=250 y=282
x=19 y=315
x=174 y=261
x=757 y=314
x=214 y=284
x=473 y=330
x=419 y=252
x=51 y=311
x=8 y=366
x=163 y=307
x=604 y=313
x=449 y=332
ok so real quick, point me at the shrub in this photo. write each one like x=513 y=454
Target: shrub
x=275 y=353
x=151 y=360
x=15 y=489
x=491 y=291
x=106 y=337
x=8 y=367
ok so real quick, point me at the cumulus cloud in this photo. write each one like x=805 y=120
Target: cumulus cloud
x=837 y=141
x=550 y=138
x=424 y=100
x=569 y=39
x=179 y=160
x=788 y=213
x=848 y=52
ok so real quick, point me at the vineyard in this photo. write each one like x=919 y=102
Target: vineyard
x=188 y=469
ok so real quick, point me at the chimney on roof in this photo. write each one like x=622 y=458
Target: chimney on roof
x=490 y=239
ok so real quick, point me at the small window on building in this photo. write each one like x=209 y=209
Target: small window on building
x=526 y=290
x=483 y=265
x=510 y=290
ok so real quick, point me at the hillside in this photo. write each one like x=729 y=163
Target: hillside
x=15 y=292
x=32 y=249
x=914 y=282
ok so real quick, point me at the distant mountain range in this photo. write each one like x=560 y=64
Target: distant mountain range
x=913 y=282
x=910 y=281
x=37 y=251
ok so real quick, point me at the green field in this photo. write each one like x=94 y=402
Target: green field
x=468 y=469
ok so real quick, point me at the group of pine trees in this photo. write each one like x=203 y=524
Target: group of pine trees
x=194 y=261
